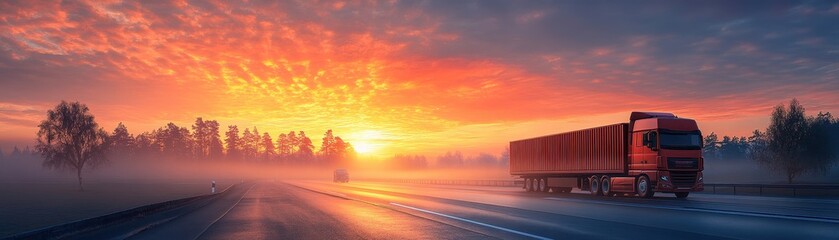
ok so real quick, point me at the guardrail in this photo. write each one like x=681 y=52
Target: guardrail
x=793 y=190
x=790 y=190
x=72 y=228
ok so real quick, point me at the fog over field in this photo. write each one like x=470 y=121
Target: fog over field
x=35 y=197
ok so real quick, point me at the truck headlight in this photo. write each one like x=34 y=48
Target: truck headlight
x=664 y=178
x=700 y=179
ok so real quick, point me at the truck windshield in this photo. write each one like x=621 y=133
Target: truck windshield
x=681 y=140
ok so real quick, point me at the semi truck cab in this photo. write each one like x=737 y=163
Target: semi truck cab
x=667 y=151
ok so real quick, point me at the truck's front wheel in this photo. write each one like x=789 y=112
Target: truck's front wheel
x=643 y=187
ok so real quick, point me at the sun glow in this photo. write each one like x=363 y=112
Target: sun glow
x=367 y=142
x=364 y=147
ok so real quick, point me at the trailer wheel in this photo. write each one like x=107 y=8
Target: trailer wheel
x=682 y=195
x=534 y=185
x=644 y=187
x=606 y=186
x=543 y=185
x=595 y=186
x=528 y=184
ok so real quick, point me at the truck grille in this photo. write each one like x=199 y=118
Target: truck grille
x=682 y=163
x=683 y=179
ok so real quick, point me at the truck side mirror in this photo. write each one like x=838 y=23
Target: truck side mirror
x=653 y=140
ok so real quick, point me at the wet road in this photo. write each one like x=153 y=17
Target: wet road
x=511 y=213
x=283 y=211
x=363 y=210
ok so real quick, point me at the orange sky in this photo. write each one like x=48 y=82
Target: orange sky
x=410 y=77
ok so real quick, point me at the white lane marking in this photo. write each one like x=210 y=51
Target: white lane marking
x=473 y=222
x=693 y=209
x=330 y=193
x=224 y=214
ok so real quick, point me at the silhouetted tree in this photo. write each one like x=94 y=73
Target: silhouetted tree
x=175 y=141
x=485 y=160
x=255 y=143
x=411 y=162
x=758 y=145
x=121 y=143
x=283 y=147
x=504 y=160
x=201 y=135
x=305 y=148
x=711 y=146
x=344 y=152
x=248 y=148
x=145 y=146
x=16 y=153
x=234 y=143
x=268 y=146
x=327 y=148
x=293 y=142
x=70 y=138
x=450 y=159
x=215 y=148
x=818 y=149
x=733 y=148
x=795 y=144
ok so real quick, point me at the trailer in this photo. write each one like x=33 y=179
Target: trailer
x=654 y=152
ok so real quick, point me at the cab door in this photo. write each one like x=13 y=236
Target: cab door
x=642 y=157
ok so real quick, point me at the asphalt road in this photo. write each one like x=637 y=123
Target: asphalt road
x=358 y=210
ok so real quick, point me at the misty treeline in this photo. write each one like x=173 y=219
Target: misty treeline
x=69 y=138
x=18 y=160
x=793 y=144
x=205 y=143
x=451 y=159
x=18 y=154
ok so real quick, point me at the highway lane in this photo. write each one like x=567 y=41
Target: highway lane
x=368 y=210
x=582 y=216
x=280 y=211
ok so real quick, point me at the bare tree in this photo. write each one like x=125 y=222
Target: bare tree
x=794 y=144
x=70 y=139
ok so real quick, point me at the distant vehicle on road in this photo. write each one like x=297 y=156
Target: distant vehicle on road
x=654 y=152
x=340 y=175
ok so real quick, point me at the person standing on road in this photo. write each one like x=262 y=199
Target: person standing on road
x=214 y=187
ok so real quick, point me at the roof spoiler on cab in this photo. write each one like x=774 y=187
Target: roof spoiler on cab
x=642 y=115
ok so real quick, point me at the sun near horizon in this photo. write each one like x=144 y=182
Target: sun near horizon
x=411 y=78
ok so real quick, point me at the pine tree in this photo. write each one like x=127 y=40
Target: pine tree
x=268 y=146
x=234 y=145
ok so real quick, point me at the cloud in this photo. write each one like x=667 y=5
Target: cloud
x=414 y=67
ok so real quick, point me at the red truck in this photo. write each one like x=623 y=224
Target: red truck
x=654 y=152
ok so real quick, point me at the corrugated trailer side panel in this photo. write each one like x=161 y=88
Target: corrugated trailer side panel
x=594 y=150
